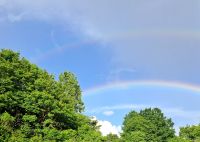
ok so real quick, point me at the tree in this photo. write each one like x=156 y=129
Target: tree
x=135 y=136
x=147 y=125
x=134 y=127
x=36 y=107
x=178 y=139
x=190 y=133
x=112 y=138
x=68 y=85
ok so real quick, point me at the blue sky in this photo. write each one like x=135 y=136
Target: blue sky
x=112 y=42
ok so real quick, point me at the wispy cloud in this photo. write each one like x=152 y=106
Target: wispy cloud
x=116 y=107
x=174 y=112
x=108 y=112
x=159 y=43
x=15 y=17
x=58 y=49
x=119 y=74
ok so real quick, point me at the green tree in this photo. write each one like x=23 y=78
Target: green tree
x=135 y=136
x=69 y=87
x=36 y=107
x=148 y=125
x=191 y=133
x=112 y=138
x=134 y=127
x=178 y=139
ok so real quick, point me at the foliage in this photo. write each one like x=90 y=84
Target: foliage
x=111 y=138
x=191 y=133
x=147 y=125
x=36 y=107
x=178 y=139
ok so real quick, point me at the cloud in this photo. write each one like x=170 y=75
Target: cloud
x=15 y=18
x=117 y=107
x=120 y=73
x=108 y=112
x=107 y=128
x=112 y=19
x=61 y=49
x=169 y=111
x=158 y=38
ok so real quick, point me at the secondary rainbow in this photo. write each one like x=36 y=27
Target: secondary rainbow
x=174 y=33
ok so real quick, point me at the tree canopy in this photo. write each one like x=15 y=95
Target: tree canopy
x=33 y=105
x=190 y=133
x=147 y=125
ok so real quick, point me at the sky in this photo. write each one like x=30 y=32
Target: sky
x=127 y=54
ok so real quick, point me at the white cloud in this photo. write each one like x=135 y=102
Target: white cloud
x=107 y=128
x=108 y=112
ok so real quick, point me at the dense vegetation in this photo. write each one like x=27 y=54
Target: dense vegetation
x=147 y=125
x=36 y=107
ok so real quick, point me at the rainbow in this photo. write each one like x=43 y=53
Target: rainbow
x=156 y=83
x=191 y=34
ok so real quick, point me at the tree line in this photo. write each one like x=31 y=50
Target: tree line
x=35 y=107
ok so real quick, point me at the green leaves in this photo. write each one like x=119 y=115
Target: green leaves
x=6 y=120
x=178 y=139
x=112 y=138
x=34 y=106
x=190 y=133
x=29 y=118
x=147 y=125
x=6 y=123
x=71 y=91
